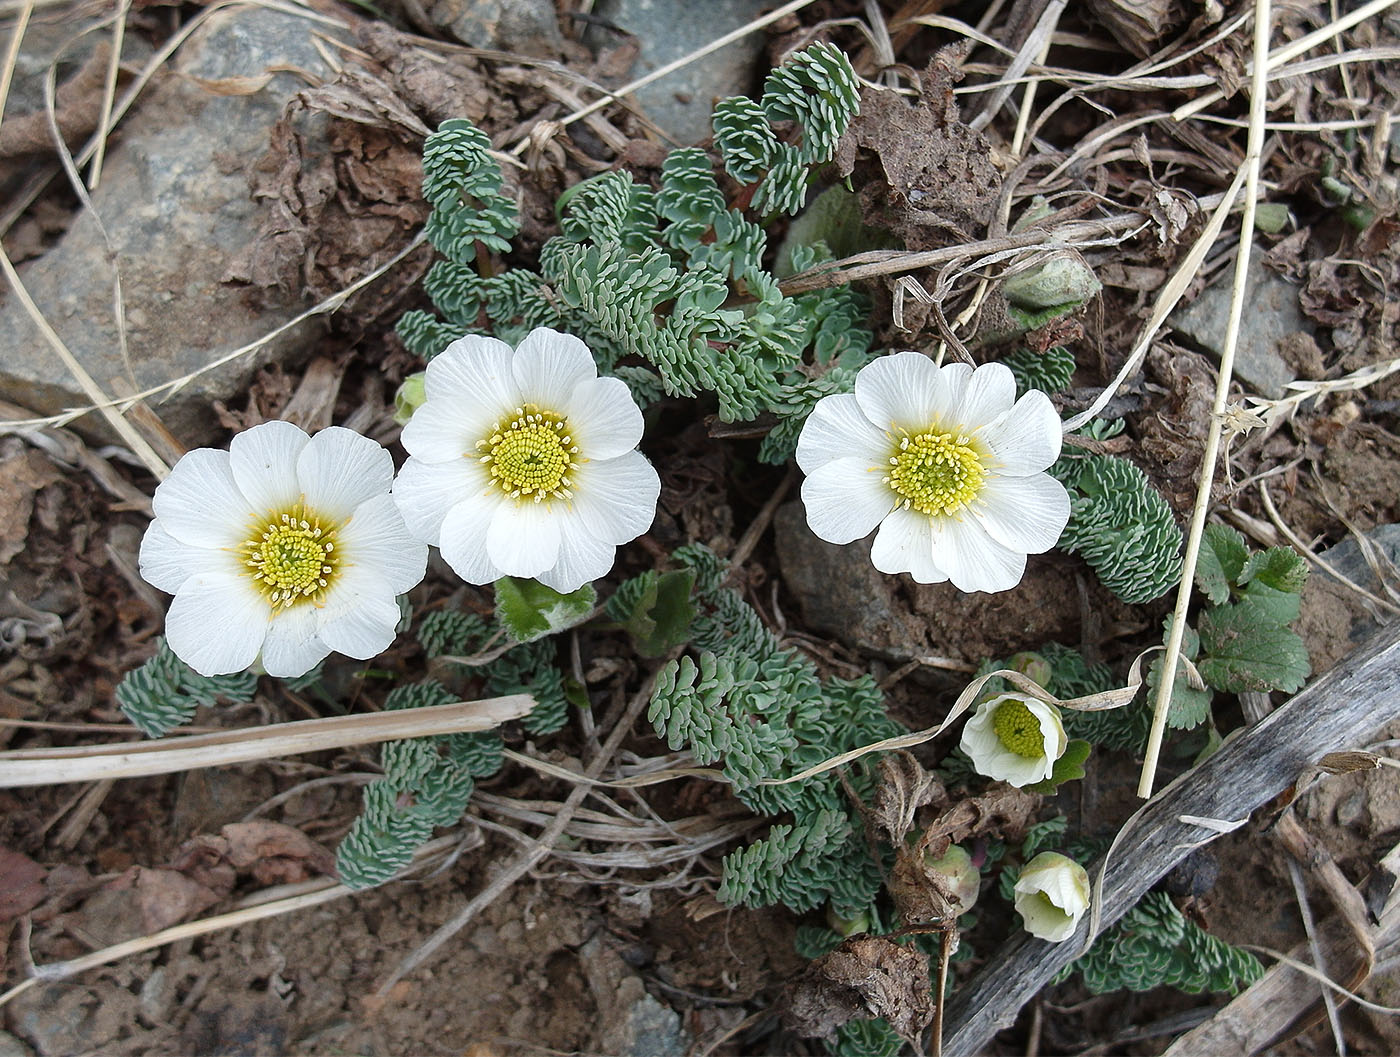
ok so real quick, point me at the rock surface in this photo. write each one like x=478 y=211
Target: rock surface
x=1271 y=315
x=1335 y=619
x=668 y=29
x=174 y=198
x=530 y=27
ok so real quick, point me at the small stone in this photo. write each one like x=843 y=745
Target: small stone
x=530 y=27
x=61 y=1018
x=13 y=1047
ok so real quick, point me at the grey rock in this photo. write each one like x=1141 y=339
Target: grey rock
x=1349 y=560
x=527 y=26
x=668 y=29
x=1271 y=313
x=1335 y=619
x=12 y=1047
x=175 y=200
x=62 y=1019
x=655 y=1031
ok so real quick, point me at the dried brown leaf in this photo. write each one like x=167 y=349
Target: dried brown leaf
x=903 y=787
x=921 y=895
x=21 y=884
x=1003 y=811
x=165 y=897
x=865 y=977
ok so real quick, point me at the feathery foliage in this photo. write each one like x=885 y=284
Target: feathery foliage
x=163 y=693
x=1048 y=371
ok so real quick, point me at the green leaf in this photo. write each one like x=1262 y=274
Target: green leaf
x=1188 y=707
x=1245 y=650
x=530 y=610
x=1068 y=768
x=1281 y=568
x=1269 y=606
x=1222 y=558
x=662 y=615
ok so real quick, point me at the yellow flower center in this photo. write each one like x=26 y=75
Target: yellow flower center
x=291 y=557
x=936 y=473
x=532 y=455
x=1017 y=728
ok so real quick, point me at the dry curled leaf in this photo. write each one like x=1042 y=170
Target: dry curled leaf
x=904 y=787
x=21 y=884
x=865 y=977
x=1003 y=811
x=922 y=895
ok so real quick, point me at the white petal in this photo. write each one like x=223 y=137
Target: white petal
x=1042 y=920
x=990 y=393
x=954 y=378
x=200 y=504
x=1026 y=439
x=440 y=431
x=292 y=647
x=166 y=563
x=837 y=427
x=993 y=759
x=973 y=560
x=523 y=538
x=375 y=537
x=217 y=622
x=845 y=499
x=1027 y=514
x=359 y=614
x=615 y=499
x=583 y=558
x=264 y=463
x=425 y=492
x=904 y=544
x=340 y=469
x=549 y=365
x=604 y=420
x=900 y=391
x=474 y=377
x=464 y=538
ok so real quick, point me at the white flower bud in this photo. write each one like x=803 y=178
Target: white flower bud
x=1052 y=894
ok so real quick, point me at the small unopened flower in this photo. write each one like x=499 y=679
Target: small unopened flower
x=1015 y=738
x=963 y=879
x=284 y=545
x=524 y=462
x=946 y=461
x=1052 y=894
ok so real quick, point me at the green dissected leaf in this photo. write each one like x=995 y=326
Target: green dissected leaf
x=530 y=610
x=1068 y=768
x=1189 y=707
x=662 y=614
x=1281 y=568
x=1222 y=558
x=1245 y=649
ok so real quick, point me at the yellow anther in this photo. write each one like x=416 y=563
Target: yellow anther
x=289 y=557
x=936 y=473
x=530 y=458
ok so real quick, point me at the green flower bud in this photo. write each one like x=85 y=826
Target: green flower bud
x=1033 y=666
x=409 y=398
x=964 y=879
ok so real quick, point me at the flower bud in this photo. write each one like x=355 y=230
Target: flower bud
x=1033 y=666
x=1052 y=894
x=410 y=397
x=1015 y=738
x=964 y=879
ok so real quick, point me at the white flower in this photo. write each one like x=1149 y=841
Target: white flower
x=1052 y=894
x=285 y=544
x=946 y=461
x=1015 y=738
x=524 y=462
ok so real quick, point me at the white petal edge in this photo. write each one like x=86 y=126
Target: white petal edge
x=166 y=563
x=473 y=367
x=425 y=492
x=993 y=759
x=464 y=539
x=604 y=420
x=1026 y=439
x=359 y=614
x=440 y=432
x=900 y=391
x=340 y=469
x=583 y=558
x=292 y=647
x=990 y=393
x=615 y=499
x=217 y=623
x=904 y=544
x=200 y=503
x=1026 y=514
x=845 y=499
x=836 y=428
x=264 y=463
x=549 y=366
x=375 y=537
x=523 y=538
x=973 y=560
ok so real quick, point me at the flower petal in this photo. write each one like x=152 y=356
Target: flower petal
x=464 y=539
x=993 y=759
x=990 y=393
x=264 y=463
x=470 y=387
x=200 y=503
x=375 y=537
x=340 y=469
x=440 y=432
x=837 y=427
x=845 y=499
x=217 y=622
x=425 y=492
x=523 y=538
x=583 y=558
x=603 y=418
x=166 y=563
x=954 y=379
x=904 y=544
x=900 y=391
x=615 y=499
x=549 y=366
x=359 y=614
x=1027 y=514
x=292 y=647
x=1026 y=439
x=973 y=560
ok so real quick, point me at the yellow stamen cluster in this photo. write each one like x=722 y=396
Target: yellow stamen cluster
x=1017 y=728
x=936 y=473
x=531 y=456
x=291 y=557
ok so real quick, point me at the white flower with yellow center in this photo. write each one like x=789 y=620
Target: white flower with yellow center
x=946 y=461
x=284 y=545
x=1015 y=738
x=524 y=462
x=1052 y=894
